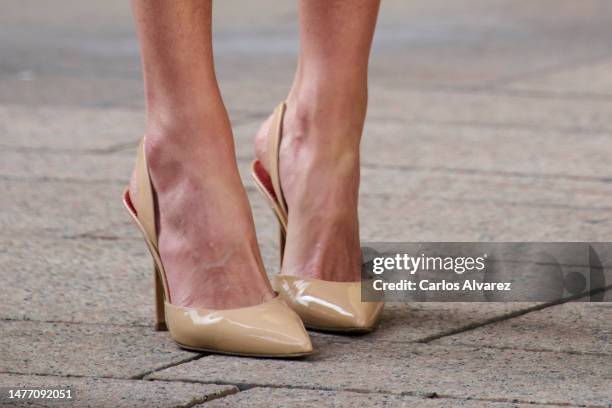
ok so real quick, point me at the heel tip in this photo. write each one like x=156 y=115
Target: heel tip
x=161 y=327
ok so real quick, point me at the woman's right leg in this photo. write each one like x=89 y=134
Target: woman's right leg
x=206 y=234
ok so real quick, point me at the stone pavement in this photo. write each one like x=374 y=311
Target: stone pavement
x=489 y=121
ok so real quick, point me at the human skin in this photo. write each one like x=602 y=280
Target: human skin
x=319 y=153
x=206 y=234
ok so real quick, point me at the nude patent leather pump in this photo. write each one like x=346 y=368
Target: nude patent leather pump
x=322 y=305
x=270 y=329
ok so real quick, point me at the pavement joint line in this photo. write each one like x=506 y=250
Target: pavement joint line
x=212 y=397
x=508 y=316
x=117 y=148
x=551 y=95
x=122 y=147
x=69 y=322
x=526 y=127
x=417 y=394
x=432 y=89
x=365 y=194
x=61 y=376
x=191 y=404
x=107 y=377
x=503 y=173
x=48 y=150
x=51 y=179
x=95 y=235
x=502 y=400
x=248 y=386
x=527 y=204
x=365 y=165
x=249 y=188
x=512 y=401
x=529 y=127
x=189 y=359
x=529 y=349
x=567 y=96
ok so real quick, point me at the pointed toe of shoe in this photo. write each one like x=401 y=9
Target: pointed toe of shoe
x=298 y=344
x=329 y=306
x=291 y=337
x=270 y=329
x=366 y=315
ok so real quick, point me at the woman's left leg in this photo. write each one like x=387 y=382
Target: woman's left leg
x=319 y=155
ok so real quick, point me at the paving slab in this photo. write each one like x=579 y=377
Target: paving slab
x=58 y=209
x=104 y=392
x=85 y=280
x=582 y=328
x=66 y=349
x=266 y=397
x=419 y=369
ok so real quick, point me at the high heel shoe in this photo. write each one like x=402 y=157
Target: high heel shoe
x=322 y=305
x=270 y=329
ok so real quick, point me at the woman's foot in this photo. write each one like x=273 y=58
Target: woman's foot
x=205 y=228
x=319 y=172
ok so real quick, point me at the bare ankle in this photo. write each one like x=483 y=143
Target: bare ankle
x=338 y=107
x=192 y=124
x=321 y=125
x=330 y=94
x=199 y=136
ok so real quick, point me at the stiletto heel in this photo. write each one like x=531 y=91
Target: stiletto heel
x=270 y=329
x=281 y=243
x=322 y=305
x=160 y=314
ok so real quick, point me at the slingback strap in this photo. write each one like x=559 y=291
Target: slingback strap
x=144 y=204
x=144 y=201
x=274 y=141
